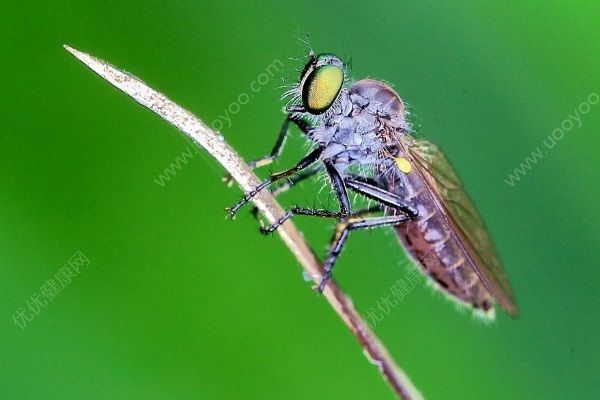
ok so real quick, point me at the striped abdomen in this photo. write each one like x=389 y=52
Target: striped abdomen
x=434 y=246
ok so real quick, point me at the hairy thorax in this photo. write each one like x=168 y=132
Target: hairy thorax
x=355 y=131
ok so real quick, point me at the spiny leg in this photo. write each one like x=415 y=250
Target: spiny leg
x=306 y=162
x=294 y=180
x=370 y=189
x=339 y=187
x=341 y=195
x=281 y=138
x=277 y=148
x=341 y=236
x=315 y=213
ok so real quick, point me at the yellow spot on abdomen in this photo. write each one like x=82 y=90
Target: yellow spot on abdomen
x=403 y=164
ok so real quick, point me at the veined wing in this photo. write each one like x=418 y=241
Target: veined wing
x=462 y=215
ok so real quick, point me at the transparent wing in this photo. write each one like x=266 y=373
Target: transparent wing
x=443 y=180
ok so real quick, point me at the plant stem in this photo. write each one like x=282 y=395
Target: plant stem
x=216 y=146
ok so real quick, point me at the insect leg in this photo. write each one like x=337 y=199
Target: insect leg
x=315 y=213
x=306 y=162
x=292 y=181
x=295 y=180
x=341 y=194
x=339 y=187
x=301 y=211
x=341 y=236
x=277 y=148
x=381 y=195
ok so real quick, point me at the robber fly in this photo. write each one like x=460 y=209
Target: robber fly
x=364 y=144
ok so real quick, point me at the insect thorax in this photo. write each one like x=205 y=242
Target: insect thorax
x=361 y=127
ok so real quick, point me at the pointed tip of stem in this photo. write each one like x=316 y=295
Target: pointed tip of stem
x=71 y=50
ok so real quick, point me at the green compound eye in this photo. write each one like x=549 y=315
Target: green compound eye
x=321 y=88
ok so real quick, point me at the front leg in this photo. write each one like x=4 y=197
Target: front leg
x=289 y=183
x=277 y=148
x=341 y=195
x=306 y=162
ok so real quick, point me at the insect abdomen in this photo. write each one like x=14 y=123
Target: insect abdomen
x=436 y=248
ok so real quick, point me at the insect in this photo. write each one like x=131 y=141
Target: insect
x=365 y=145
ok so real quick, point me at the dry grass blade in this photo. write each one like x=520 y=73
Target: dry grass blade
x=214 y=144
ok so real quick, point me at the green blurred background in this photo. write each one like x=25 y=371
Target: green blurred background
x=179 y=302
